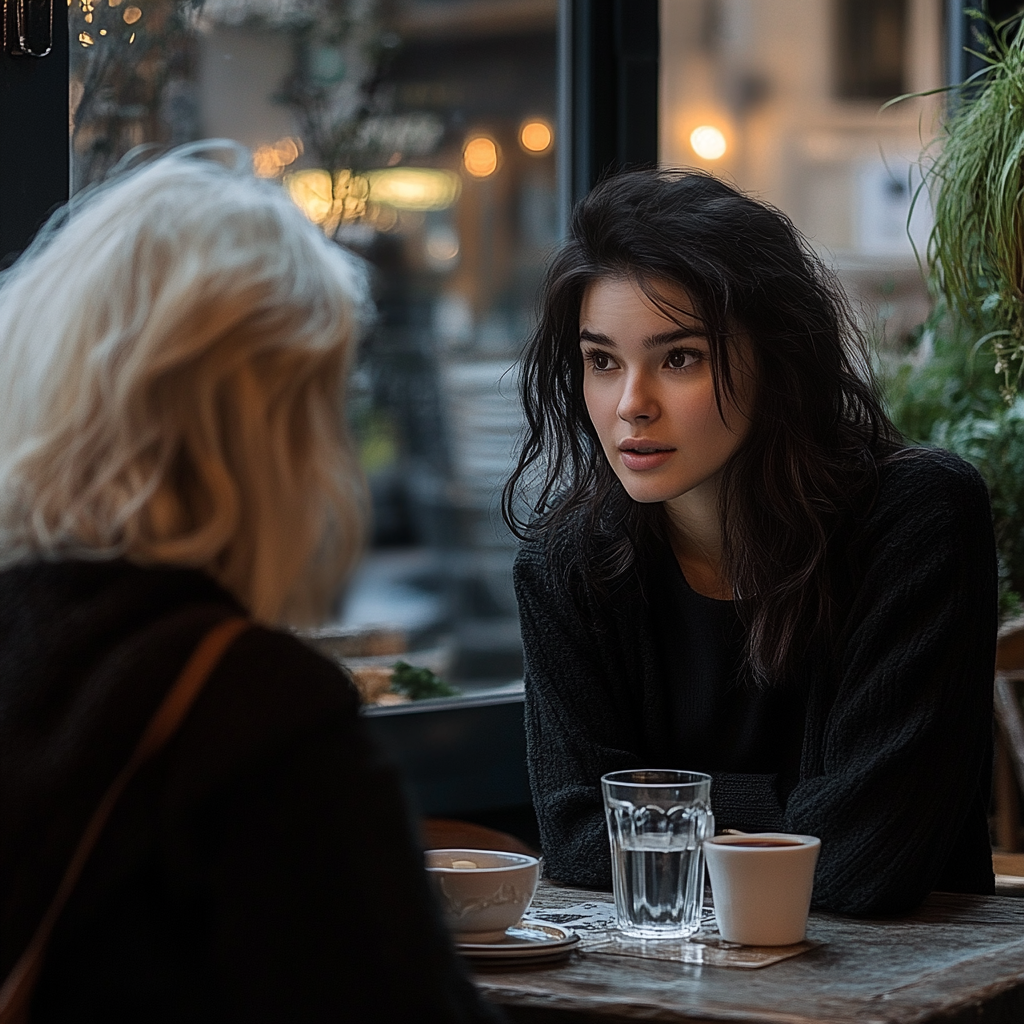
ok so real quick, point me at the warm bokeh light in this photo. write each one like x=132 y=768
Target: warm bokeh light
x=379 y=199
x=414 y=188
x=480 y=156
x=536 y=136
x=311 y=192
x=708 y=142
x=329 y=200
x=270 y=161
x=131 y=15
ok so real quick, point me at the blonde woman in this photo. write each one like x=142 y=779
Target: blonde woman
x=172 y=453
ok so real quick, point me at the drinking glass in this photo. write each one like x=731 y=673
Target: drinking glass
x=657 y=823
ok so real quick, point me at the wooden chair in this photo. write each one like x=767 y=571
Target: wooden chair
x=1009 y=753
x=1009 y=759
x=448 y=834
x=1011 y=719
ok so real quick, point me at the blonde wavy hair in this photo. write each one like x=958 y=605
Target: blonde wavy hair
x=173 y=356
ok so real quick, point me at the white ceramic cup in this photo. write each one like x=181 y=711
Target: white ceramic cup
x=761 y=884
x=482 y=892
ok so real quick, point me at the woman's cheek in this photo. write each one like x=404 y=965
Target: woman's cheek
x=601 y=408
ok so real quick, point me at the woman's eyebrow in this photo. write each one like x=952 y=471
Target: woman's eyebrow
x=654 y=341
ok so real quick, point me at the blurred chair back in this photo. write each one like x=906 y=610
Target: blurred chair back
x=1009 y=759
x=448 y=834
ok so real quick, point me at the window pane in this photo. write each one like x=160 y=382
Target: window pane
x=421 y=135
x=783 y=97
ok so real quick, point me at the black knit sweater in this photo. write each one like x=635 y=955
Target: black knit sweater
x=262 y=868
x=894 y=773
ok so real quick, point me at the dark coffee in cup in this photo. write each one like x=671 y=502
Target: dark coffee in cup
x=762 y=844
x=762 y=883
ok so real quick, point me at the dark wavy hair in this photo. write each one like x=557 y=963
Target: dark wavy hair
x=818 y=429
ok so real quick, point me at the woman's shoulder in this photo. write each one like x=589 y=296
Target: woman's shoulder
x=554 y=547
x=285 y=659
x=925 y=483
x=919 y=463
x=270 y=690
x=560 y=530
x=579 y=535
x=573 y=550
x=927 y=501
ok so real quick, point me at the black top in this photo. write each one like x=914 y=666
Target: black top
x=718 y=721
x=895 y=758
x=261 y=868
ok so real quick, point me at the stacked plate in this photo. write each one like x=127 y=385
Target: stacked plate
x=527 y=942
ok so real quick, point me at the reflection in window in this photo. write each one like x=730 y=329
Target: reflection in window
x=133 y=68
x=420 y=134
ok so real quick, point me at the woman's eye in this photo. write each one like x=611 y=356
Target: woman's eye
x=599 y=360
x=681 y=359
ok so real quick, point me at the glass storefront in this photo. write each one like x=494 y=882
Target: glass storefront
x=785 y=97
x=422 y=136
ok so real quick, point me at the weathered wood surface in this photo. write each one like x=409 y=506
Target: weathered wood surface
x=958 y=959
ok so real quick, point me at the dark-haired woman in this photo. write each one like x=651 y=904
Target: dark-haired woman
x=735 y=566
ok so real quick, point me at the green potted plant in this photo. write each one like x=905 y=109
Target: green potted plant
x=958 y=386
x=976 y=250
x=947 y=393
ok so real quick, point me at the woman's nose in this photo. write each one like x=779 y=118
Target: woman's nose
x=638 y=401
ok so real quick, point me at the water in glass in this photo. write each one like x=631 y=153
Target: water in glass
x=656 y=831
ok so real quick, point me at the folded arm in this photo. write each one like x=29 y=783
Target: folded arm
x=907 y=739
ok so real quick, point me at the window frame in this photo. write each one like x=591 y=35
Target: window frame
x=609 y=56
x=608 y=111
x=35 y=162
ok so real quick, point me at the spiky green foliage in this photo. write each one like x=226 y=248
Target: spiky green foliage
x=976 y=249
x=946 y=393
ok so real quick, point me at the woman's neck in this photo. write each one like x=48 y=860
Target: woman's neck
x=695 y=535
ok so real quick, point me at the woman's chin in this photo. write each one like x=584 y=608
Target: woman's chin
x=648 y=493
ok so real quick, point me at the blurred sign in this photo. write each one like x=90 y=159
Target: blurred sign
x=892 y=214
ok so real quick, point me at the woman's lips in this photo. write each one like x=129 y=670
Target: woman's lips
x=644 y=457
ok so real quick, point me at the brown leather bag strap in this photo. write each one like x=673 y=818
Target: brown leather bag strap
x=16 y=994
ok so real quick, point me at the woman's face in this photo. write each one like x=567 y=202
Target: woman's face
x=649 y=391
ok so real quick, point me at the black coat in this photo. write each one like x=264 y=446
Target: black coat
x=262 y=868
x=895 y=768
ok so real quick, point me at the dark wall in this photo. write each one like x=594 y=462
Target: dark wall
x=33 y=135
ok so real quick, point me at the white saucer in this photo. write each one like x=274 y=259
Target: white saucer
x=528 y=940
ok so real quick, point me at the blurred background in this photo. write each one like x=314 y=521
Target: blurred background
x=423 y=134
x=445 y=141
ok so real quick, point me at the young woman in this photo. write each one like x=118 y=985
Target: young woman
x=173 y=454
x=733 y=564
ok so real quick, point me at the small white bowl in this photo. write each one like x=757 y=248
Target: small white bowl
x=482 y=892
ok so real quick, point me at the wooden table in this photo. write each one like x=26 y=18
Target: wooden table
x=958 y=959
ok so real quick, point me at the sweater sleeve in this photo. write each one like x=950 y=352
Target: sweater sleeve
x=577 y=727
x=906 y=739
x=747 y=801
